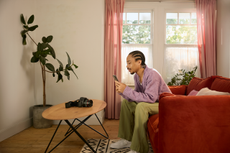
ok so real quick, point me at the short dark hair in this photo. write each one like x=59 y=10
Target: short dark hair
x=138 y=55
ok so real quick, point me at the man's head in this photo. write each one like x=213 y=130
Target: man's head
x=135 y=61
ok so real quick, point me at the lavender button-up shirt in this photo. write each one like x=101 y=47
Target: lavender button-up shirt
x=150 y=89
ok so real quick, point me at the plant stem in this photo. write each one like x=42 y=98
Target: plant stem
x=31 y=38
x=48 y=71
x=43 y=75
x=44 y=84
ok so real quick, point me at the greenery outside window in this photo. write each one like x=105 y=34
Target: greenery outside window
x=181 y=28
x=137 y=35
x=181 y=50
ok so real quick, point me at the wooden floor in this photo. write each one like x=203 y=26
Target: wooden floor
x=34 y=140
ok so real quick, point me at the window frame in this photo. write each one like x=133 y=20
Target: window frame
x=178 y=45
x=151 y=24
x=150 y=45
x=178 y=11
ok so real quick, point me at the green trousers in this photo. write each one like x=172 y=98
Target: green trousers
x=133 y=123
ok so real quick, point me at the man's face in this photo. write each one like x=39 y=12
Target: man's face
x=132 y=65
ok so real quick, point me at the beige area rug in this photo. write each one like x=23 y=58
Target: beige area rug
x=103 y=146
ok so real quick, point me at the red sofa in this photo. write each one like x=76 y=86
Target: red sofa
x=192 y=124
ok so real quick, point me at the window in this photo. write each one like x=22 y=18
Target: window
x=137 y=35
x=181 y=28
x=180 y=43
x=169 y=40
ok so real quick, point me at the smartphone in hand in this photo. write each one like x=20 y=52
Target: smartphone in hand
x=115 y=78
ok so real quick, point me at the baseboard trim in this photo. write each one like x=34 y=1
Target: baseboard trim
x=9 y=132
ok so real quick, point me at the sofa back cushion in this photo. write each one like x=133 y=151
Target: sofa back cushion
x=199 y=83
x=221 y=84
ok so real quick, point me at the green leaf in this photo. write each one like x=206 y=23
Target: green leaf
x=61 y=65
x=22 y=19
x=25 y=26
x=49 y=39
x=44 y=53
x=53 y=74
x=50 y=67
x=67 y=74
x=44 y=40
x=75 y=66
x=68 y=67
x=74 y=73
x=42 y=60
x=60 y=68
x=23 y=32
x=69 y=60
x=31 y=19
x=52 y=51
x=44 y=45
x=39 y=47
x=32 y=28
x=59 y=77
x=36 y=54
x=24 y=40
x=34 y=59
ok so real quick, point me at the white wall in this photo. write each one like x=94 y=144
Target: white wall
x=77 y=27
x=223 y=38
x=17 y=74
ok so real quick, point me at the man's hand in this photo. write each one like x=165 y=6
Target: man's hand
x=120 y=87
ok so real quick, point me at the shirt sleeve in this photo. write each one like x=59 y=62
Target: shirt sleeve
x=150 y=94
x=128 y=88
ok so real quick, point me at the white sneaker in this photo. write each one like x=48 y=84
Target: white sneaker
x=132 y=151
x=122 y=143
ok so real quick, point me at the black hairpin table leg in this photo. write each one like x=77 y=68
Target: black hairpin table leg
x=79 y=135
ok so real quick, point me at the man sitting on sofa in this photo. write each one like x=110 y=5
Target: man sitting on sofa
x=138 y=104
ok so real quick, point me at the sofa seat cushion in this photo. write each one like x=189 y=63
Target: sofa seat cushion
x=199 y=83
x=221 y=84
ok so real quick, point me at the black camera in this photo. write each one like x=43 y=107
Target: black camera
x=82 y=102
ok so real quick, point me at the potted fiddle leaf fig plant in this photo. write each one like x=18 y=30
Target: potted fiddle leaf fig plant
x=41 y=55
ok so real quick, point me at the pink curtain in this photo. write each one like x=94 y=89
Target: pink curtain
x=112 y=55
x=206 y=36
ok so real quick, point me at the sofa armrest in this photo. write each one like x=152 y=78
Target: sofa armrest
x=194 y=124
x=178 y=90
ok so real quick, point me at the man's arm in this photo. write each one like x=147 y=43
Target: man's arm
x=127 y=98
x=150 y=95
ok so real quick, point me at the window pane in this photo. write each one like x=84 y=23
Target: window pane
x=145 y=18
x=125 y=50
x=184 y=18
x=171 y=18
x=181 y=34
x=193 y=18
x=176 y=58
x=124 y=18
x=132 y=18
x=136 y=34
